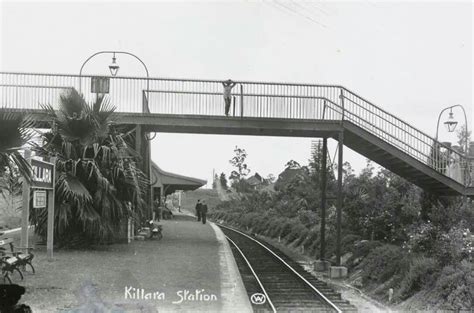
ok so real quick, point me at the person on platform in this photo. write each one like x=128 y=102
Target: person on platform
x=203 y=211
x=198 y=210
x=156 y=210
x=228 y=85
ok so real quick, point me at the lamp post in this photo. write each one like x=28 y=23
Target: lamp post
x=451 y=126
x=114 y=67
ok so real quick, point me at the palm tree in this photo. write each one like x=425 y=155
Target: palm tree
x=15 y=132
x=98 y=184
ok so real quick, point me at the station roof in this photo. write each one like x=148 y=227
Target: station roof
x=170 y=182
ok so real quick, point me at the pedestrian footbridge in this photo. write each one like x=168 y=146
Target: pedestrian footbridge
x=259 y=108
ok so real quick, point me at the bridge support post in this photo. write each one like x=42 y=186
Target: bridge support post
x=339 y=271
x=322 y=265
x=142 y=146
x=322 y=250
x=25 y=213
x=339 y=197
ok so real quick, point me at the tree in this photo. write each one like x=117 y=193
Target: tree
x=463 y=137
x=98 y=184
x=10 y=190
x=270 y=179
x=380 y=205
x=292 y=164
x=214 y=181
x=15 y=132
x=223 y=181
x=238 y=175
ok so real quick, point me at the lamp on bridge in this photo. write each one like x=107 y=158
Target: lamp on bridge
x=114 y=67
x=451 y=126
x=451 y=123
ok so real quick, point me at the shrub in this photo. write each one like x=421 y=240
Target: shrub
x=453 y=288
x=296 y=231
x=308 y=218
x=423 y=238
x=302 y=237
x=258 y=224
x=419 y=274
x=348 y=241
x=450 y=248
x=286 y=228
x=311 y=237
x=274 y=225
x=382 y=263
x=362 y=248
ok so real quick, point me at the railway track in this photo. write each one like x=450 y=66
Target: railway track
x=286 y=287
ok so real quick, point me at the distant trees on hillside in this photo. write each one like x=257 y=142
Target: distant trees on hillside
x=223 y=181
x=241 y=171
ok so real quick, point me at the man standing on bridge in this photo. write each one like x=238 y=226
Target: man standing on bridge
x=228 y=85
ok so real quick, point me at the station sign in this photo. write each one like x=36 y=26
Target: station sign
x=42 y=174
x=39 y=199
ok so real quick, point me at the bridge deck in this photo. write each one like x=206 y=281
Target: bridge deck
x=258 y=108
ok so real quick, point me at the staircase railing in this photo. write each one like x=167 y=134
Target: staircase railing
x=249 y=100
x=444 y=159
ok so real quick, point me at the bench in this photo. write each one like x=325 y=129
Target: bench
x=13 y=260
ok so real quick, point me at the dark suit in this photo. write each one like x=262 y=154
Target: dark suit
x=203 y=213
x=198 y=211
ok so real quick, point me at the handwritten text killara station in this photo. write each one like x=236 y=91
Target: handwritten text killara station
x=197 y=295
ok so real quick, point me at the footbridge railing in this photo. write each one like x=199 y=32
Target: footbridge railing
x=249 y=100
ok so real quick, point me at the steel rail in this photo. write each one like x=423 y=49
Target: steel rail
x=385 y=119
x=254 y=274
x=289 y=266
x=179 y=79
x=430 y=144
x=399 y=146
x=36 y=86
x=392 y=142
x=390 y=114
x=237 y=94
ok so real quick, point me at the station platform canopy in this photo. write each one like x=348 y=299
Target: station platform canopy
x=171 y=182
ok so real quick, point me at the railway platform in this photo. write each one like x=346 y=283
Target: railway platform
x=191 y=269
x=206 y=257
x=194 y=266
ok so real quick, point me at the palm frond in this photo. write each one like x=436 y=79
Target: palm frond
x=23 y=165
x=70 y=189
x=72 y=103
x=98 y=182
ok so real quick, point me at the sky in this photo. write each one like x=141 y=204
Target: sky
x=411 y=58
